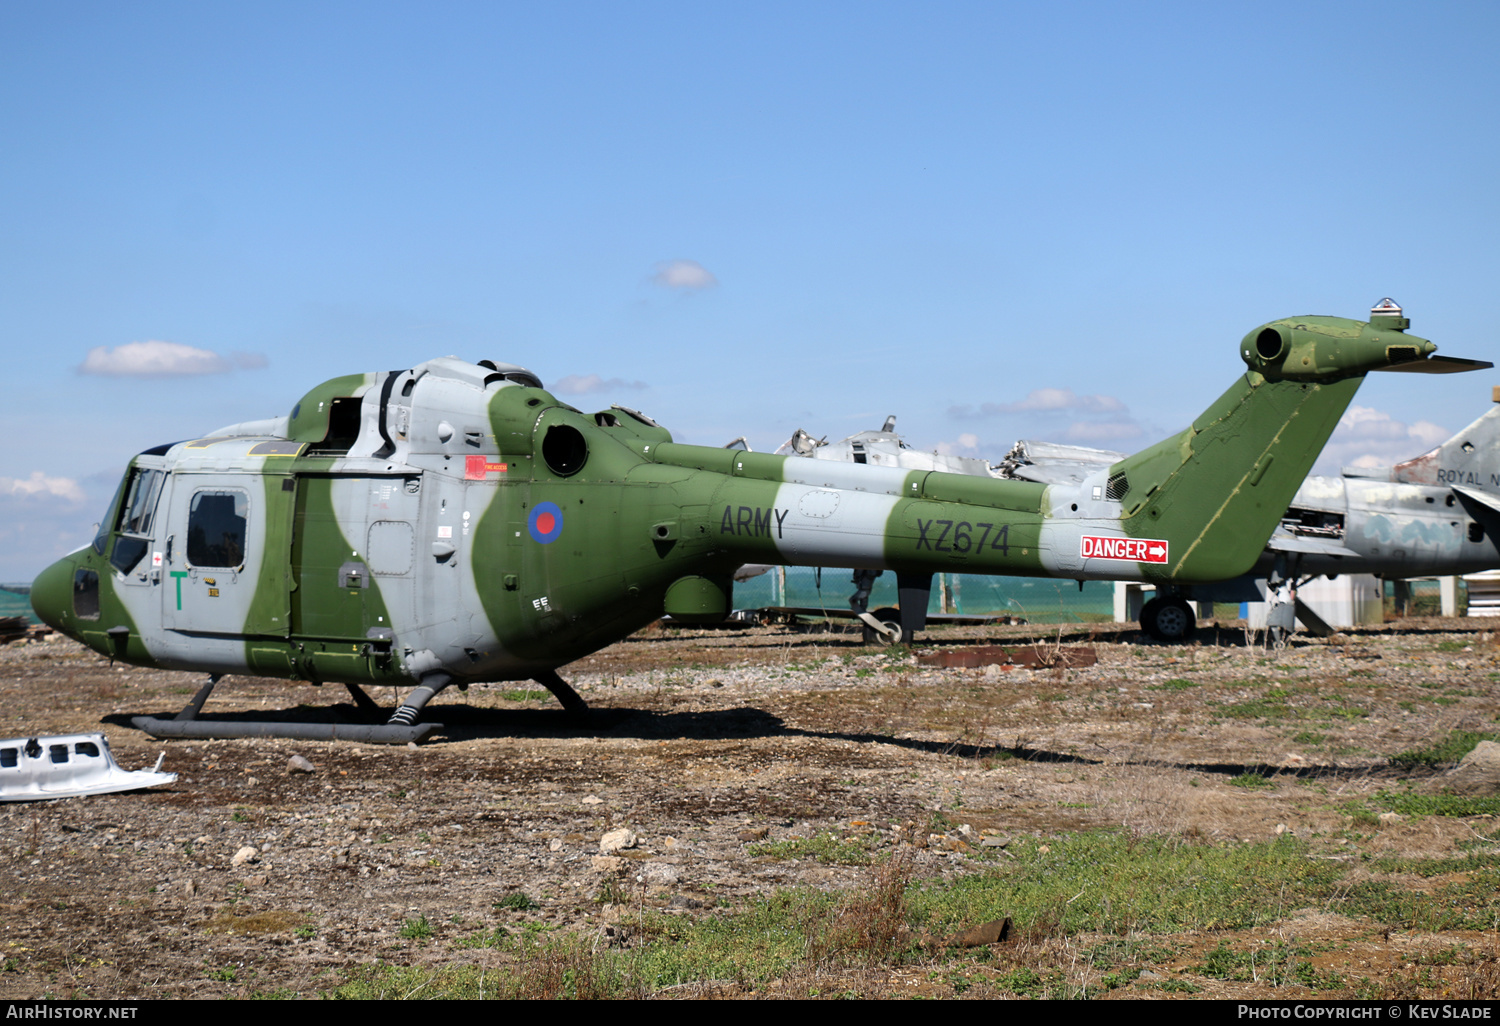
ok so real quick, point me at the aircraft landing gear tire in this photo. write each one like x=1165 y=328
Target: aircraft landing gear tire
x=1168 y=619
x=892 y=619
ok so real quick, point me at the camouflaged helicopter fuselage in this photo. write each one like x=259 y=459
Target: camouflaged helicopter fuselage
x=459 y=519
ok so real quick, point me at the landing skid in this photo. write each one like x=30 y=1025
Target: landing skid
x=377 y=734
x=187 y=724
x=401 y=729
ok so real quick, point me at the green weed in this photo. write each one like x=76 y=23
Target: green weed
x=1253 y=781
x=1468 y=904
x=415 y=929
x=1115 y=882
x=825 y=847
x=1413 y=804
x=1026 y=982
x=1277 y=964
x=1361 y=816
x=612 y=892
x=524 y=695
x=1446 y=752
x=1261 y=709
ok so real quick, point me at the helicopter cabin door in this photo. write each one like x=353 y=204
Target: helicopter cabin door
x=210 y=560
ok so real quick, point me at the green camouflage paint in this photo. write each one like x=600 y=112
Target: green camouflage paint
x=456 y=520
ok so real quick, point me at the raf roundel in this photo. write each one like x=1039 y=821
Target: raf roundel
x=545 y=522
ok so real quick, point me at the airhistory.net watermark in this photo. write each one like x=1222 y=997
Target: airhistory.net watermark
x=41 y=1010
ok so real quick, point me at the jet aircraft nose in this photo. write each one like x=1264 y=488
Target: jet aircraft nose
x=52 y=595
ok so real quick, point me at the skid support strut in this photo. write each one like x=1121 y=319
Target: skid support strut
x=412 y=707
x=563 y=692
x=193 y=708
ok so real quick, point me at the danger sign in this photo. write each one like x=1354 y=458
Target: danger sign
x=1136 y=550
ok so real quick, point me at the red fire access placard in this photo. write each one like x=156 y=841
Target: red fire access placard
x=476 y=468
x=1136 y=550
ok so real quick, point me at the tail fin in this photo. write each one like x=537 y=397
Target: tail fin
x=1470 y=458
x=1219 y=488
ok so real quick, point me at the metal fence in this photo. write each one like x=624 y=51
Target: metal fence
x=1420 y=598
x=15 y=600
x=1039 y=600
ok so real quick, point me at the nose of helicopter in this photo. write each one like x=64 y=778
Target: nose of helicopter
x=52 y=594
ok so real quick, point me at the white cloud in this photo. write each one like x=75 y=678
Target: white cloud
x=1368 y=437
x=1062 y=399
x=967 y=445
x=42 y=517
x=1429 y=434
x=1046 y=400
x=1062 y=415
x=157 y=359
x=1102 y=431
x=586 y=384
x=40 y=486
x=684 y=274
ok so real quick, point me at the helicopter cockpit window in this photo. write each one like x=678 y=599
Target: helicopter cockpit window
x=107 y=525
x=137 y=512
x=216 y=529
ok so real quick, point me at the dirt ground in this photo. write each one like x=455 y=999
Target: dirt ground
x=701 y=743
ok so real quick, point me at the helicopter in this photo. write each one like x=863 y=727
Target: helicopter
x=455 y=523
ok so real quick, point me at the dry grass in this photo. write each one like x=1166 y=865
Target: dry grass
x=236 y=921
x=870 y=925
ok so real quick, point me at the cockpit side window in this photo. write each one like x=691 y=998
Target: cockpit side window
x=107 y=522
x=216 y=528
x=137 y=511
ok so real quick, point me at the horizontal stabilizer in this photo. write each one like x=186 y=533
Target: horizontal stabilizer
x=1438 y=365
x=1310 y=546
x=1483 y=498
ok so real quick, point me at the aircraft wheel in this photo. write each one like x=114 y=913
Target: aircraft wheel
x=1168 y=619
x=1148 y=616
x=892 y=619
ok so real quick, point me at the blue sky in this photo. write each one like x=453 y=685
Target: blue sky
x=996 y=221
